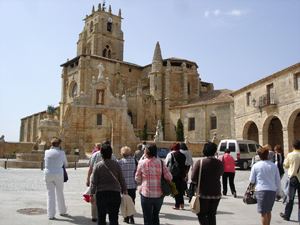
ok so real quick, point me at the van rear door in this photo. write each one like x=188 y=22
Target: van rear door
x=232 y=149
x=244 y=151
x=222 y=147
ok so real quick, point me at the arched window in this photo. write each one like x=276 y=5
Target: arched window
x=188 y=88
x=107 y=52
x=74 y=90
x=91 y=27
x=108 y=26
x=130 y=114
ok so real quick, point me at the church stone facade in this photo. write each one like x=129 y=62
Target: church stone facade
x=106 y=98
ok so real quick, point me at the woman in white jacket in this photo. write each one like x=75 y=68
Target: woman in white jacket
x=55 y=159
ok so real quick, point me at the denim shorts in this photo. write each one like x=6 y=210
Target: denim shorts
x=265 y=201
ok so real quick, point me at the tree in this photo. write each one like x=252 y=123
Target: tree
x=179 y=131
x=162 y=119
x=144 y=131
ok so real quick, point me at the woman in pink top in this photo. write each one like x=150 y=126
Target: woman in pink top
x=97 y=148
x=229 y=172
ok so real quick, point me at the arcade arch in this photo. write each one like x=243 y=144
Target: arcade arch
x=251 y=131
x=293 y=128
x=272 y=132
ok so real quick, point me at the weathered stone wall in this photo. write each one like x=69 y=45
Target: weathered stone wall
x=7 y=148
x=202 y=115
x=284 y=109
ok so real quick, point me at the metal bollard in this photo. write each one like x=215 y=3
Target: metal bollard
x=5 y=164
x=75 y=165
x=42 y=165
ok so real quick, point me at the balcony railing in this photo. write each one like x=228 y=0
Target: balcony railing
x=267 y=99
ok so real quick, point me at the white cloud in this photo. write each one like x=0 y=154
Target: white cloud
x=237 y=12
x=206 y=14
x=234 y=12
x=217 y=12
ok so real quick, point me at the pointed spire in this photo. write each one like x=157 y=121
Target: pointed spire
x=157 y=54
x=93 y=10
x=109 y=9
x=99 y=7
x=119 y=12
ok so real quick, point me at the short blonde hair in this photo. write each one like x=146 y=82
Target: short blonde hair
x=267 y=146
x=98 y=145
x=125 y=151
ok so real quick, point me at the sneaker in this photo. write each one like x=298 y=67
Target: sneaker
x=176 y=208
x=51 y=218
x=131 y=220
x=234 y=194
x=63 y=214
x=283 y=216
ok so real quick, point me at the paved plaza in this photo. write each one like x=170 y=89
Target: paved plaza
x=22 y=189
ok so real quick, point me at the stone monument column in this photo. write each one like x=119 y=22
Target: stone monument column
x=48 y=128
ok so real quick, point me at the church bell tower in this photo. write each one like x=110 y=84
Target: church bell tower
x=102 y=34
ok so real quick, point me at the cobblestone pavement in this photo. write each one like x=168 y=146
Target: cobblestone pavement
x=25 y=188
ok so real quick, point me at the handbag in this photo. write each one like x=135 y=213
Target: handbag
x=190 y=192
x=86 y=195
x=173 y=166
x=165 y=187
x=294 y=180
x=195 y=201
x=66 y=178
x=249 y=196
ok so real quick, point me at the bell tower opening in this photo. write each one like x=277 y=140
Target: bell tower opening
x=107 y=52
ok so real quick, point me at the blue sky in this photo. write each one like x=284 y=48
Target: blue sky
x=234 y=43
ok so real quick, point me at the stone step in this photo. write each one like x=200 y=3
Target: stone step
x=40 y=157
x=31 y=164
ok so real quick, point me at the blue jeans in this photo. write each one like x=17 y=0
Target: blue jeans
x=151 y=208
x=290 y=201
x=108 y=201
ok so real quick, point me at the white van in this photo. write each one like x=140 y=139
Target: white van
x=241 y=150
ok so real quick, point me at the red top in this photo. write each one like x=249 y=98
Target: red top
x=228 y=163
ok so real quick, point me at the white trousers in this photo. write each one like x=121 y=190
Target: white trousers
x=55 y=182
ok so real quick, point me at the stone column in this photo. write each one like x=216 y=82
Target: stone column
x=48 y=129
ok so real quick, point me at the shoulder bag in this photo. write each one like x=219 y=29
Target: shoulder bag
x=294 y=180
x=249 y=196
x=195 y=201
x=111 y=173
x=165 y=187
x=173 y=166
x=66 y=178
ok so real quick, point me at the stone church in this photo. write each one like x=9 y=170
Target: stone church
x=106 y=98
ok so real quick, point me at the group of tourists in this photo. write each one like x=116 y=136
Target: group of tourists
x=109 y=178
x=145 y=168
